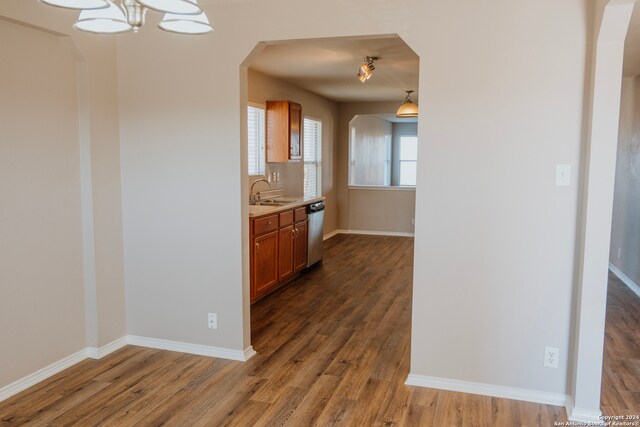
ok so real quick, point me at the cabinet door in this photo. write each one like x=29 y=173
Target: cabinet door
x=295 y=127
x=285 y=253
x=300 y=247
x=264 y=263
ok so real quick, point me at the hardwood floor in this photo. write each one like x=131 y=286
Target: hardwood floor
x=621 y=370
x=333 y=349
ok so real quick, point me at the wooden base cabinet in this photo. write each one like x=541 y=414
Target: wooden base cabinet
x=264 y=263
x=279 y=250
x=285 y=253
x=300 y=247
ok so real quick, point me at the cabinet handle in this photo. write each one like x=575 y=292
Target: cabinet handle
x=269 y=223
x=293 y=233
x=297 y=233
x=257 y=247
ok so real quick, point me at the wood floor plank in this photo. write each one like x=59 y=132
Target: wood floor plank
x=333 y=350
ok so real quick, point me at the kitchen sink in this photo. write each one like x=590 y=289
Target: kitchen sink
x=270 y=203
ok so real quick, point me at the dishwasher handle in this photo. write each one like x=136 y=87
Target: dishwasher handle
x=316 y=207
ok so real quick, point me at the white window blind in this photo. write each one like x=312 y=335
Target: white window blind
x=312 y=155
x=257 y=140
x=408 y=160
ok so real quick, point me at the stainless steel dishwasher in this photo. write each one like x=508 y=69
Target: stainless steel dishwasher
x=316 y=225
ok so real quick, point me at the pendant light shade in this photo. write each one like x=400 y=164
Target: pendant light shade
x=408 y=109
x=186 y=24
x=78 y=4
x=182 y=7
x=110 y=20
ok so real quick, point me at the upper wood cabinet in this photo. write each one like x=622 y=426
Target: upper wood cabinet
x=284 y=131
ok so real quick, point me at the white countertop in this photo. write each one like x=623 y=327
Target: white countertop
x=260 y=210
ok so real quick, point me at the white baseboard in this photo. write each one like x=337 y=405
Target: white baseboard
x=333 y=233
x=368 y=232
x=42 y=374
x=98 y=353
x=545 y=397
x=586 y=416
x=249 y=352
x=198 y=349
x=105 y=350
x=624 y=279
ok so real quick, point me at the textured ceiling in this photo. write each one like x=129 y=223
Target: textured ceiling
x=328 y=67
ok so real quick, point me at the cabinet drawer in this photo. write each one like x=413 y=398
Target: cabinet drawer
x=264 y=225
x=300 y=214
x=286 y=218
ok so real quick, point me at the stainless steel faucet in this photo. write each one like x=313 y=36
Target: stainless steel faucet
x=255 y=197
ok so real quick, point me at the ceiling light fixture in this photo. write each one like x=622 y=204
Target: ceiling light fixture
x=366 y=70
x=119 y=16
x=408 y=109
x=186 y=24
x=77 y=4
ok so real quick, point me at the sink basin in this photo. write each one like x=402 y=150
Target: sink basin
x=275 y=202
x=270 y=203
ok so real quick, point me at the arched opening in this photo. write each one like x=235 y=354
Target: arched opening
x=331 y=96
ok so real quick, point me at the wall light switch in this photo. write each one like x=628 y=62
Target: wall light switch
x=563 y=175
x=212 y=321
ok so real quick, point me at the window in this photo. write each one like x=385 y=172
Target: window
x=257 y=139
x=312 y=155
x=408 y=160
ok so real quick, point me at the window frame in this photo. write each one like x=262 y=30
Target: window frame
x=318 y=162
x=262 y=159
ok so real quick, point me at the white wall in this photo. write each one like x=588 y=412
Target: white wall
x=625 y=230
x=495 y=238
x=67 y=140
x=41 y=259
x=485 y=185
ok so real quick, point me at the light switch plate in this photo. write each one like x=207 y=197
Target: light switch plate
x=563 y=175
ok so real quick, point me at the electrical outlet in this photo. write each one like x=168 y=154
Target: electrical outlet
x=413 y=221
x=563 y=175
x=213 y=321
x=550 y=357
x=619 y=252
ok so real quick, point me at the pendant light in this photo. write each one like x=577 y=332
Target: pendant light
x=408 y=109
x=185 y=24
x=78 y=4
x=110 y=20
x=182 y=7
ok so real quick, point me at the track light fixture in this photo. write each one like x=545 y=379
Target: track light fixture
x=120 y=16
x=366 y=70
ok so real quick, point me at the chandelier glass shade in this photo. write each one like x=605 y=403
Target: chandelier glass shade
x=77 y=4
x=182 y=7
x=186 y=24
x=408 y=109
x=120 y=16
x=110 y=20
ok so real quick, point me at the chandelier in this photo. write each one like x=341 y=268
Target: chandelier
x=109 y=17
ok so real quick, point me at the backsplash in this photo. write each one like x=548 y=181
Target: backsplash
x=291 y=178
